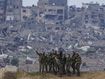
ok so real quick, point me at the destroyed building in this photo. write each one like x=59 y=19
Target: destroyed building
x=13 y=10
x=25 y=13
x=95 y=14
x=2 y=10
x=10 y=10
x=52 y=10
x=90 y=13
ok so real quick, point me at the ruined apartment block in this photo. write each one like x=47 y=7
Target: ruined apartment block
x=2 y=10
x=52 y=11
x=13 y=10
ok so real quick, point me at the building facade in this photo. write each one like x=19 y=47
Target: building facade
x=25 y=13
x=13 y=10
x=90 y=14
x=94 y=14
x=53 y=10
x=2 y=10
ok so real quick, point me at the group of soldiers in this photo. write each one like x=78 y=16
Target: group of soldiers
x=59 y=63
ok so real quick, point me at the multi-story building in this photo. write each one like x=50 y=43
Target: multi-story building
x=28 y=12
x=13 y=10
x=2 y=10
x=89 y=13
x=94 y=14
x=25 y=13
x=53 y=10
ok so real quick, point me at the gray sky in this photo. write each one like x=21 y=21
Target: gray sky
x=70 y=2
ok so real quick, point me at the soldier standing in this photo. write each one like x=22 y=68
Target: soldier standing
x=64 y=63
x=68 y=64
x=73 y=61
x=41 y=61
x=78 y=63
x=46 y=62
x=61 y=63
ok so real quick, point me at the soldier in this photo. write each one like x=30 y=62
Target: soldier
x=46 y=58
x=73 y=62
x=50 y=62
x=68 y=64
x=60 y=57
x=41 y=61
x=64 y=63
x=78 y=63
x=56 y=62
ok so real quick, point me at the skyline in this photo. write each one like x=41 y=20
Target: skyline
x=70 y=2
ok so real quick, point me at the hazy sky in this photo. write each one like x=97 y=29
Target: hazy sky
x=70 y=2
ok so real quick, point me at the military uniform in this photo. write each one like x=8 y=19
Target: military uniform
x=54 y=62
x=41 y=61
x=50 y=62
x=64 y=63
x=46 y=62
x=73 y=62
x=78 y=63
x=68 y=64
x=60 y=57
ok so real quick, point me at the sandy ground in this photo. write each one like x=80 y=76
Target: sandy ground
x=8 y=68
x=84 y=75
x=2 y=71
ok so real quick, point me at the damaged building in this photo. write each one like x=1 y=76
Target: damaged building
x=94 y=14
x=53 y=11
x=2 y=10
x=13 y=10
